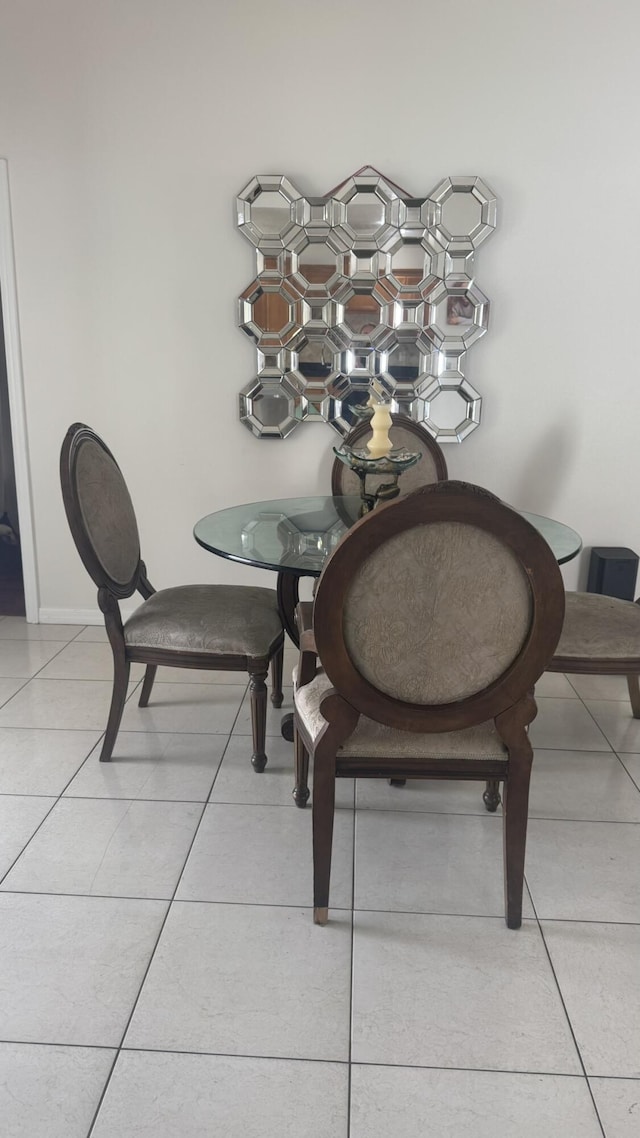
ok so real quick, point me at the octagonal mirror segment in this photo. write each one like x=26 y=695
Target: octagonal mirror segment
x=315 y=268
x=449 y=410
x=266 y=210
x=367 y=211
x=346 y=402
x=360 y=315
x=364 y=286
x=271 y=408
x=410 y=268
x=405 y=367
x=464 y=212
x=270 y=312
x=457 y=316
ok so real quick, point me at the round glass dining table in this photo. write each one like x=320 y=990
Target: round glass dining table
x=294 y=536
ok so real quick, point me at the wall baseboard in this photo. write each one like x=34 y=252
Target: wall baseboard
x=75 y=616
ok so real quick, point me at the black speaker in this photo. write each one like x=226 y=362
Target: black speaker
x=613 y=571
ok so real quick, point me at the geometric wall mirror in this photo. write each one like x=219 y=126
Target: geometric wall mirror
x=365 y=288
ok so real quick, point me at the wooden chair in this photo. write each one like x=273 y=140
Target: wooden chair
x=234 y=627
x=433 y=620
x=601 y=636
x=404 y=433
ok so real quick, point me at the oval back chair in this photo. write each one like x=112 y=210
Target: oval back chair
x=213 y=627
x=404 y=432
x=433 y=619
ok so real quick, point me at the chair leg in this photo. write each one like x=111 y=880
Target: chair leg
x=491 y=796
x=258 y=690
x=301 y=761
x=323 y=807
x=516 y=809
x=634 y=695
x=121 y=669
x=147 y=684
x=277 y=662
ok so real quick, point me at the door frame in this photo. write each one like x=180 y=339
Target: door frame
x=13 y=354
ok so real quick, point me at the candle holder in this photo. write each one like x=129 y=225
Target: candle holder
x=391 y=464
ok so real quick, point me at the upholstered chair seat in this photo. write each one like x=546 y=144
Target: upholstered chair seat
x=599 y=626
x=225 y=620
x=372 y=739
x=212 y=627
x=601 y=636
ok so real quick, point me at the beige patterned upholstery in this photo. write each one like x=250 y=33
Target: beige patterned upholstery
x=371 y=739
x=421 y=474
x=225 y=620
x=442 y=635
x=599 y=627
x=107 y=512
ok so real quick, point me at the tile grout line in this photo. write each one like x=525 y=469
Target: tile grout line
x=566 y=1012
x=157 y=942
x=304 y=1059
x=46 y=816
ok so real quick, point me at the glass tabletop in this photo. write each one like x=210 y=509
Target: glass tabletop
x=296 y=535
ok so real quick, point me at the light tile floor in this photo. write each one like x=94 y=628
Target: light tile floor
x=160 y=973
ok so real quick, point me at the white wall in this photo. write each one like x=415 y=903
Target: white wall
x=130 y=125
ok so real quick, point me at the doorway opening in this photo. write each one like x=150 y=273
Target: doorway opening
x=17 y=544
x=11 y=578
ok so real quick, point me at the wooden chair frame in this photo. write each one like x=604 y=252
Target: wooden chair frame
x=508 y=701
x=111 y=592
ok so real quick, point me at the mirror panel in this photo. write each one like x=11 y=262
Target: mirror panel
x=450 y=408
x=272 y=407
x=364 y=288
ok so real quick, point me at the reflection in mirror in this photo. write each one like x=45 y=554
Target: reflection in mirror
x=457 y=316
x=406 y=362
x=360 y=361
x=408 y=264
x=460 y=310
x=365 y=214
x=363 y=265
x=362 y=315
x=461 y=213
x=272 y=407
x=365 y=287
x=316 y=266
x=315 y=358
x=448 y=410
x=271 y=213
x=271 y=312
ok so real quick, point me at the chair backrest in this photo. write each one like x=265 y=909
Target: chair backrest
x=99 y=511
x=406 y=433
x=439 y=610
